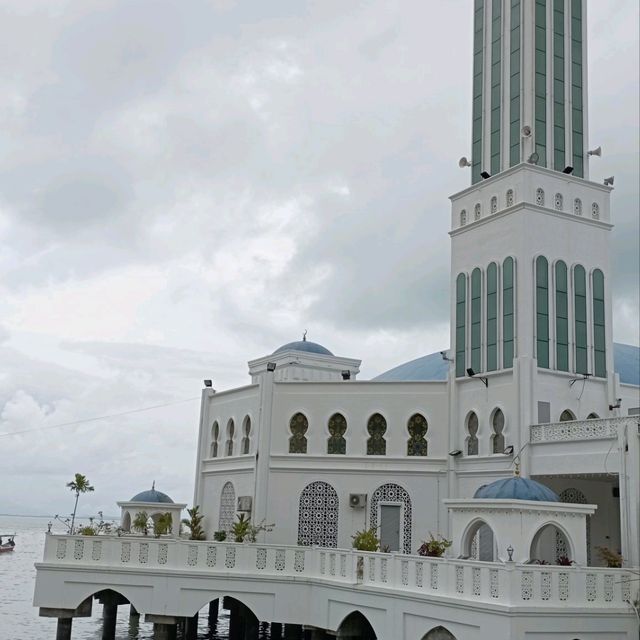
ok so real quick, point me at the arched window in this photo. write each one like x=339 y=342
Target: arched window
x=508 y=281
x=558 y=202
x=463 y=217
x=595 y=211
x=567 y=416
x=246 y=438
x=580 y=314
x=593 y=416
x=336 y=444
x=480 y=543
x=298 y=425
x=227 y=507
x=574 y=496
x=477 y=211
x=542 y=312
x=599 y=341
x=540 y=197
x=231 y=428
x=318 y=515
x=355 y=625
x=377 y=427
x=492 y=317
x=417 y=427
x=472 y=439
x=388 y=494
x=494 y=204
x=562 y=317
x=550 y=545
x=476 y=320
x=510 y=198
x=497 y=425
x=439 y=633
x=215 y=434
x=461 y=313
x=577 y=207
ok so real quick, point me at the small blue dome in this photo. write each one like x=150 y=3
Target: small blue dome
x=304 y=345
x=151 y=496
x=516 y=488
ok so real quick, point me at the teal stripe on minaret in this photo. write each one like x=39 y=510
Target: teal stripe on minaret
x=478 y=79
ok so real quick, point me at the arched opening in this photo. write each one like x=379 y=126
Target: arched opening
x=439 y=633
x=337 y=444
x=417 y=443
x=593 y=416
x=472 y=438
x=574 y=496
x=551 y=545
x=480 y=543
x=298 y=425
x=246 y=437
x=497 y=425
x=126 y=521
x=356 y=627
x=567 y=416
x=231 y=429
x=227 y=512
x=376 y=427
x=318 y=515
x=391 y=513
x=215 y=435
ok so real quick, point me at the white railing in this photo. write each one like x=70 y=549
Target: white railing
x=596 y=429
x=499 y=583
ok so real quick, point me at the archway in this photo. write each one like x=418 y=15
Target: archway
x=439 y=633
x=126 y=521
x=480 y=542
x=356 y=627
x=389 y=496
x=574 y=496
x=551 y=545
x=227 y=507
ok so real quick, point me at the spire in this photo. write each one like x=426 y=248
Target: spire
x=153 y=486
x=304 y=336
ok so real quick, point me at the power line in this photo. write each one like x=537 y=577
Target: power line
x=105 y=417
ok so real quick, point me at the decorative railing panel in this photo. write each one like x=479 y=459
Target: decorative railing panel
x=597 y=429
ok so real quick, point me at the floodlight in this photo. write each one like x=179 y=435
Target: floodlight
x=485 y=175
x=608 y=181
x=271 y=366
x=346 y=375
x=568 y=170
x=208 y=383
x=533 y=158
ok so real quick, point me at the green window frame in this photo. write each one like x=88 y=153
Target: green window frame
x=514 y=84
x=476 y=320
x=580 y=315
x=599 y=339
x=461 y=324
x=496 y=83
x=508 y=301
x=478 y=82
x=559 y=159
x=542 y=312
x=492 y=317
x=576 y=88
x=540 y=72
x=562 y=317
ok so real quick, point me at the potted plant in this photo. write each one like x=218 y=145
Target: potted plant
x=162 y=524
x=611 y=558
x=366 y=540
x=434 y=547
x=141 y=523
x=194 y=523
x=564 y=561
x=220 y=536
x=240 y=529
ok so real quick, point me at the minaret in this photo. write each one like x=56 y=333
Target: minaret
x=529 y=85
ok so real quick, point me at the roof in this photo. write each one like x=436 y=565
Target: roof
x=626 y=360
x=304 y=345
x=516 y=488
x=151 y=495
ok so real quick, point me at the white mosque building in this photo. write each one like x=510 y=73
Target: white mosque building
x=520 y=443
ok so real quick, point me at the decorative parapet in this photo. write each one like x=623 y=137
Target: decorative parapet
x=597 y=429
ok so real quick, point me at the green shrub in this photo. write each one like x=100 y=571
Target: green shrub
x=366 y=540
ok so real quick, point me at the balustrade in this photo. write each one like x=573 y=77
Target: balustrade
x=576 y=430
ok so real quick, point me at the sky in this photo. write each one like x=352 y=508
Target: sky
x=185 y=186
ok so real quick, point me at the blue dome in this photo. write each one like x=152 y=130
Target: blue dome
x=626 y=362
x=151 y=496
x=516 y=488
x=304 y=345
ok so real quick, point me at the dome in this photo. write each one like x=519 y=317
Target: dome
x=304 y=345
x=516 y=488
x=151 y=496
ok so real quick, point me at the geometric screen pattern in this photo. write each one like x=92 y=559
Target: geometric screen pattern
x=227 y=507
x=393 y=493
x=318 y=516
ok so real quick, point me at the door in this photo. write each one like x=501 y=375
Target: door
x=390 y=527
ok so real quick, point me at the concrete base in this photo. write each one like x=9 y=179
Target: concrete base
x=275 y=630
x=293 y=632
x=63 y=631
x=191 y=628
x=164 y=631
x=109 y=618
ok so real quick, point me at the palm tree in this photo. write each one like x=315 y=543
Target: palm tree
x=141 y=523
x=80 y=484
x=194 y=523
x=162 y=524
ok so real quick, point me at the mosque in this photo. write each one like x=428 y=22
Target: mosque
x=520 y=444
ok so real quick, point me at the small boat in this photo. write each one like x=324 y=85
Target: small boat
x=9 y=545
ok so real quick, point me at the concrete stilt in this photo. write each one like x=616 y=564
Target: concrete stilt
x=213 y=612
x=133 y=612
x=63 y=631
x=164 y=631
x=236 y=626
x=317 y=634
x=191 y=628
x=275 y=630
x=109 y=618
x=292 y=632
x=251 y=624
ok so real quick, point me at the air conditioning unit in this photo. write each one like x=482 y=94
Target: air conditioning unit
x=244 y=503
x=357 y=500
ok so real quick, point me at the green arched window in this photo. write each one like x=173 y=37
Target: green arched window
x=580 y=314
x=461 y=315
x=492 y=317
x=599 y=349
x=562 y=317
x=542 y=311
x=507 y=312
x=476 y=320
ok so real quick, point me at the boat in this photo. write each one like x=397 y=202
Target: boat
x=9 y=545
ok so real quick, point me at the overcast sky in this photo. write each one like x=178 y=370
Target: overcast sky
x=185 y=186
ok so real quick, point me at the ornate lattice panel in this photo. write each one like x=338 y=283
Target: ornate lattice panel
x=558 y=202
x=343 y=565
x=298 y=426
x=460 y=579
x=280 y=560
x=336 y=444
x=595 y=211
x=227 y=507
x=540 y=197
x=475 y=579
x=78 y=549
x=433 y=578
x=494 y=204
x=163 y=551
x=377 y=427
x=577 y=207
x=545 y=585
x=125 y=552
x=384 y=569
x=405 y=572
x=61 y=549
x=563 y=586
x=417 y=427
x=583 y=430
x=419 y=574
x=494 y=583
x=192 y=555
x=230 y=557
x=96 y=551
x=298 y=562
x=212 y=554
x=261 y=559
x=573 y=496
x=332 y=564
x=591 y=587
x=608 y=587
x=318 y=515
x=477 y=211
x=389 y=493
x=526 y=586
x=143 y=553
x=510 y=198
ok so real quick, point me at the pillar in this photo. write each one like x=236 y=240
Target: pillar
x=164 y=631
x=318 y=634
x=292 y=632
x=213 y=612
x=63 y=631
x=251 y=624
x=236 y=626
x=275 y=629
x=191 y=628
x=109 y=617
x=133 y=612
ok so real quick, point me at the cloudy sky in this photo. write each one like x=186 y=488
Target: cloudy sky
x=188 y=185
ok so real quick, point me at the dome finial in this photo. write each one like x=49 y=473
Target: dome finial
x=153 y=486
x=304 y=336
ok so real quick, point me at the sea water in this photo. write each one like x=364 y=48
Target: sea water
x=19 y=619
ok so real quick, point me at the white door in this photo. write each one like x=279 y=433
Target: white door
x=390 y=527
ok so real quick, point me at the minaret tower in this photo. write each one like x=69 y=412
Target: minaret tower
x=530 y=286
